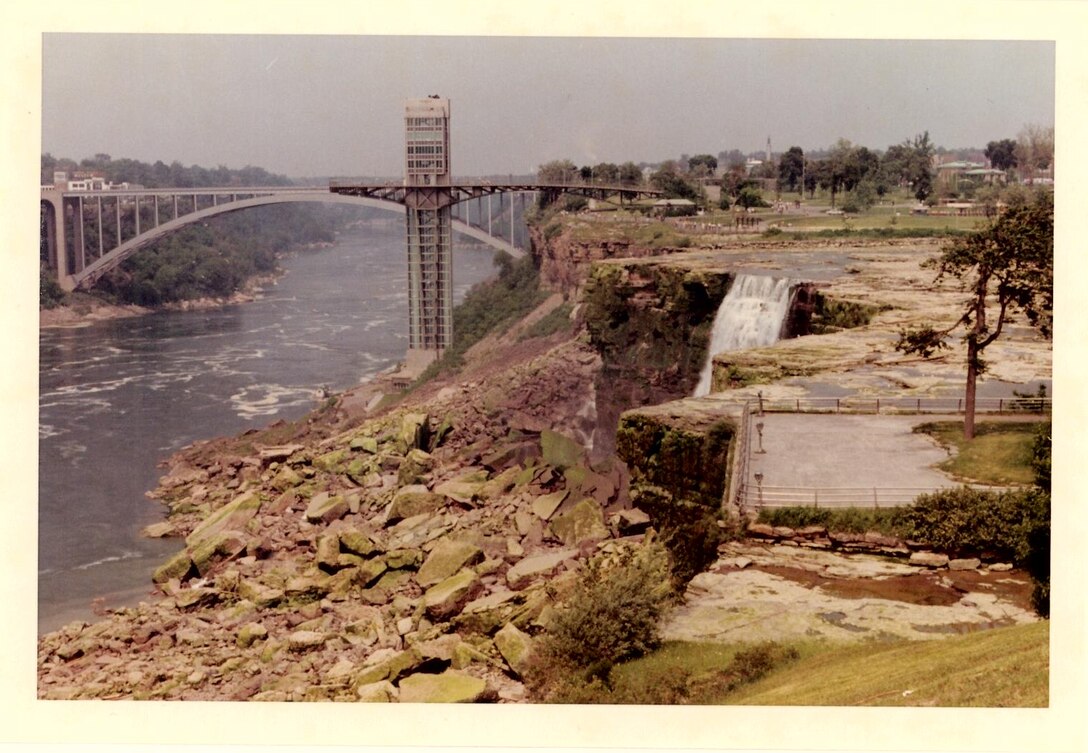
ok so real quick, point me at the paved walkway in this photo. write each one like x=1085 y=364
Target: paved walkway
x=839 y=451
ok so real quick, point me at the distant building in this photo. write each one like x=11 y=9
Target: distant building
x=952 y=175
x=675 y=208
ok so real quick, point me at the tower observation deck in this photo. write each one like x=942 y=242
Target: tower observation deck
x=430 y=237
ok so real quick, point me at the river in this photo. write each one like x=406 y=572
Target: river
x=117 y=397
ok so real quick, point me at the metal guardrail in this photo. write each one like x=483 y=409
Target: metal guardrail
x=1032 y=405
x=759 y=497
x=743 y=494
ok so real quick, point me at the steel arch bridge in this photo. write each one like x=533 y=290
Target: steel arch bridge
x=78 y=265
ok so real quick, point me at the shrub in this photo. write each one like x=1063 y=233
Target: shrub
x=611 y=615
x=50 y=293
x=890 y=521
x=971 y=521
x=554 y=321
x=1040 y=456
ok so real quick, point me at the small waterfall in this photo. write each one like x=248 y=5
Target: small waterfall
x=751 y=315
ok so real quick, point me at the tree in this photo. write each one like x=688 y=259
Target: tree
x=630 y=174
x=703 y=164
x=674 y=185
x=606 y=172
x=558 y=171
x=911 y=164
x=730 y=158
x=1011 y=259
x=1002 y=154
x=921 y=166
x=791 y=168
x=1035 y=149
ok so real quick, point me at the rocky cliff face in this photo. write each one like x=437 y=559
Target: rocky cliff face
x=651 y=324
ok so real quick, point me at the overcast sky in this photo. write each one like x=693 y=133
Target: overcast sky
x=333 y=105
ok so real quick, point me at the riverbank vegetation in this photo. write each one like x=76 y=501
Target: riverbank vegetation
x=491 y=306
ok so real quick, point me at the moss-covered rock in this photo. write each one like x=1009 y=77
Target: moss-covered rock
x=447 y=557
x=231 y=516
x=446 y=598
x=582 y=523
x=515 y=647
x=413 y=500
x=414 y=432
x=286 y=478
x=178 y=566
x=416 y=463
x=325 y=508
x=250 y=633
x=260 y=594
x=223 y=546
x=451 y=686
x=559 y=451
x=364 y=444
x=357 y=542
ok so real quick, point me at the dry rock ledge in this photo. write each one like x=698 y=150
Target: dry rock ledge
x=416 y=555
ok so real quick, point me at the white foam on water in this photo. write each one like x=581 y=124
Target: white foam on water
x=750 y=316
x=125 y=555
x=270 y=399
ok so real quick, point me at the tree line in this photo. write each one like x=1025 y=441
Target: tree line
x=862 y=175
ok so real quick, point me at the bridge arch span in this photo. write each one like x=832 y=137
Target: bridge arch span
x=92 y=272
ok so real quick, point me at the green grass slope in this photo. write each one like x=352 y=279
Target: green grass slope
x=1004 y=667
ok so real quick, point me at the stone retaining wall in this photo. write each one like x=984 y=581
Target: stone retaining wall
x=871 y=542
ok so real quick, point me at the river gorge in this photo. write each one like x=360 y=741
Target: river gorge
x=119 y=396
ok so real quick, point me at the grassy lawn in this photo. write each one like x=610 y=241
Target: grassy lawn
x=1000 y=453
x=1004 y=667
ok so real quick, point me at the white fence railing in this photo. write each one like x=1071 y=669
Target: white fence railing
x=755 y=496
x=1001 y=405
x=743 y=494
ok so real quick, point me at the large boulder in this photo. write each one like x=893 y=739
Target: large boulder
x=929 y=559
x=389 y=669
x=413 y=500
x=530 y=568
x=583 y=522
x=447 y=557
x=446 y=599
x=232 y=516
x=324 y=508
x=416 y=463
x=545 y=506
x=177 y=567
x=559 y=451
x=223 y=546
x=515 y=647
x=414 y=432
x=449 y=687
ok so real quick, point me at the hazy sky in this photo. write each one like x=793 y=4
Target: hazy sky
x=333 y=105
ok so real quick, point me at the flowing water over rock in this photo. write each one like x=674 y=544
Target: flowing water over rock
x=117 y=397
x=750 y=316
